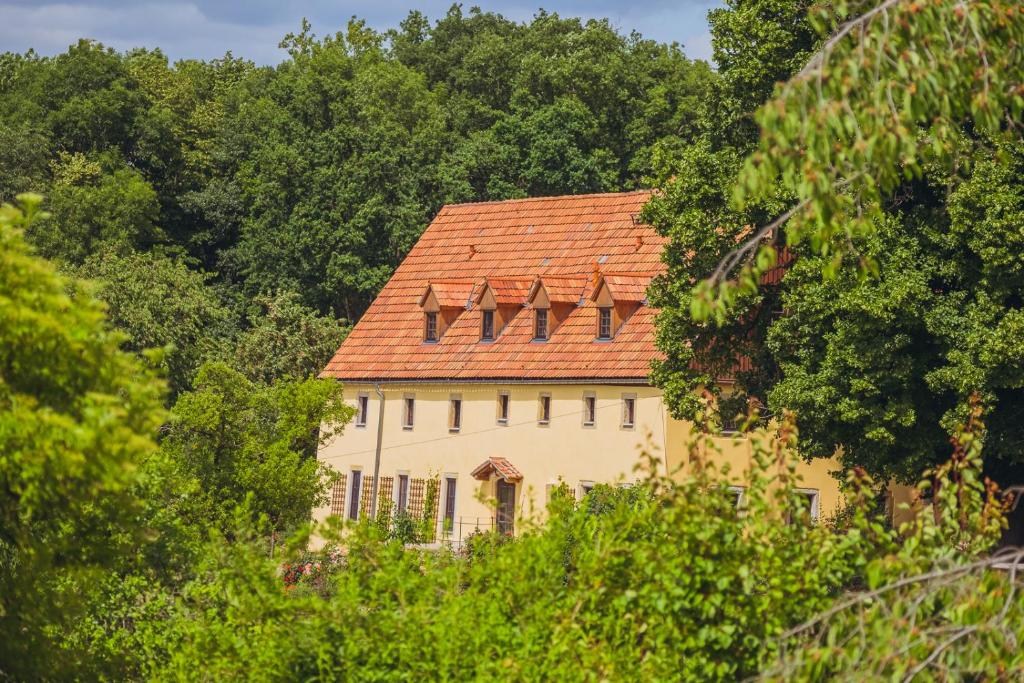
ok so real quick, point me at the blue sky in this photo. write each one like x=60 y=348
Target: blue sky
x=253 y=28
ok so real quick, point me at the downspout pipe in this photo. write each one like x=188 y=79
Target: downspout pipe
x=376 y=457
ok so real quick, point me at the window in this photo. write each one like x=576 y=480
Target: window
x=487 y=327
x=408 y=412
x=589 y=410
x=455 y=414
x=544 y=409
x=604 y=323
x=362 y=409
x=736 y=492
x=540 y=324
x=809 y=508
x=585 y=488
x=503 y=407
x=430 y=334
x=402 y=498
x=353 y=496
x=628 y=411
x=449 y=503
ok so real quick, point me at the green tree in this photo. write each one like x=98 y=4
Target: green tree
x=252 y=447
x=885 y=366
x=285 y=340
x=846 y=174
x=161 y=303
x=77 y=417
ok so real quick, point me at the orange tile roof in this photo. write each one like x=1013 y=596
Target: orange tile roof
x=507 y=291
x=627 y=287
x=450 y=294
x=565 y=290
x=515 y=241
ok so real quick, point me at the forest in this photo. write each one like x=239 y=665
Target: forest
x=184 y=245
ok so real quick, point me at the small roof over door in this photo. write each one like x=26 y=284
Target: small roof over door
x=496 y=466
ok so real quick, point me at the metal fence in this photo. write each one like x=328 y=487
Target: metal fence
x=457 y=532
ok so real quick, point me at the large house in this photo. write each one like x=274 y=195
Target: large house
x=508 y=354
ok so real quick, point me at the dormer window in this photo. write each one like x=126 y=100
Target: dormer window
x=487 y=326
x=540 y=324
x=604 y=322
x=430 y=331
x=442 y=303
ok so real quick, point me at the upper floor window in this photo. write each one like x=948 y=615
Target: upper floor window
x=604 y=323
x=589 y=410
x=544 y=409
x=503 y=407
x=628 y=411
x=455 y=414
x=487 y=326
x=540 y=324
x=430 y=333
x=362 y=408
x=408 y=412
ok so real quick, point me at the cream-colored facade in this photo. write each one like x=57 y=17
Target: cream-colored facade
x=566 y=447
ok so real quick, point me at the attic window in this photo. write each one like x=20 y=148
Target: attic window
x=487 y=326
x=540 y=325
x=604 y=322
x=430 y=332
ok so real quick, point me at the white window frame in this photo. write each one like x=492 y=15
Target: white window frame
x=362 y=414
x=408 y=412
x=543 y=420
x=626 y=398
x=455 y=503
x=504 y=419
x=455 y=426
x=741 y=495
x=587 y=484
x=589 y=396
x=815 y=508
x=397 y=495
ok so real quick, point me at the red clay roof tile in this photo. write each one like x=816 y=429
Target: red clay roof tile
x=510 y=245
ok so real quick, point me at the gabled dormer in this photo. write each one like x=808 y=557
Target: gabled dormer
x=552 y=300
x=442 y=303
x=616 y=298
x=499 y=301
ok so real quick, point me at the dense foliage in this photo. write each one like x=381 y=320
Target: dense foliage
x=888 y=165
x=307 y=182
x=77 y=414
x=229 y=214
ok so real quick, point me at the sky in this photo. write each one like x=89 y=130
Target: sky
x=252 y=29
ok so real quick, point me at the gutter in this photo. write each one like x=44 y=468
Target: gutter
x=376 y=457
x=612 y=381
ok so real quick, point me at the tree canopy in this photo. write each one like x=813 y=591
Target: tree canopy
x=868 y=169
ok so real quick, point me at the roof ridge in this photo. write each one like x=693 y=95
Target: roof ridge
x=589 y=195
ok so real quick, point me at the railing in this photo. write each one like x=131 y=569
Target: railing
x=456 y=532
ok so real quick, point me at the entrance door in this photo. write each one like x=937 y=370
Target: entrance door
x=506 y=507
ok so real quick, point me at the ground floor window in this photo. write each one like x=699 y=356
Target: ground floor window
x=506 y=509
x=353 y=496
x=449 y=503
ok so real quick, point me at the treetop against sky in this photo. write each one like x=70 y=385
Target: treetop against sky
x=207 y=28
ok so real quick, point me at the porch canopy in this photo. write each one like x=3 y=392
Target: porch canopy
x=497 y=466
